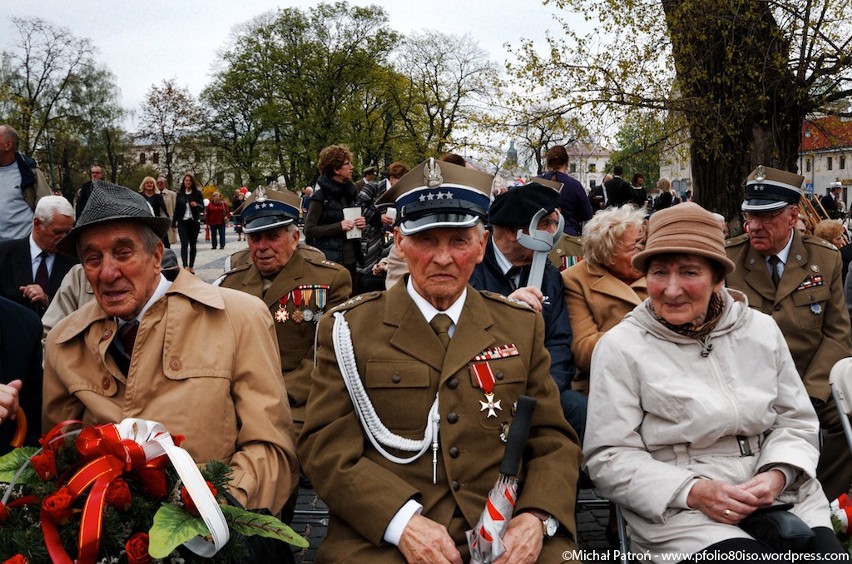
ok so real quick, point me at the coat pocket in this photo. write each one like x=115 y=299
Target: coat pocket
x=402 y=394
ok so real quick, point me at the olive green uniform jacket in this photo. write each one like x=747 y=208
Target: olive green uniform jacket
x=809 y=308
x=204 y=365
x=304 y=271
x=403 y=366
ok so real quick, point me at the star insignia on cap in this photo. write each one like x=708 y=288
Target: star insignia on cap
x=422 y=198
x=440 y=195
x=430 y=197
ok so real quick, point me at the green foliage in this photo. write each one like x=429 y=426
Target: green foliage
x=172 y=527
x=15 y=459
x=640 y=140
x=251 y=524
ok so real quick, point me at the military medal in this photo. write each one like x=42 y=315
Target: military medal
x=485 y=379
x=297 y=315
x=321 y=298
x=281 y=315
x=816 y=309
x=307 y=313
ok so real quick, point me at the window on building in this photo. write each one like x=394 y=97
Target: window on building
x=593 y=167
x=155 y=157
x=572 y=167
x=141 y=158
x=807 y=165
x=829 y=163
x=842 y=162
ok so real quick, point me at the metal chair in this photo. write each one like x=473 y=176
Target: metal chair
x=840 y=380
x=621 y=525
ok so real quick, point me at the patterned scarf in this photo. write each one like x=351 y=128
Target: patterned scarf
x=714 y=313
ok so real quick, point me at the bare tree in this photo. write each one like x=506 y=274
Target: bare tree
x=169 y=114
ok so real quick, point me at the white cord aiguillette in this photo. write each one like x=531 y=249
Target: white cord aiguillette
x=379 y=435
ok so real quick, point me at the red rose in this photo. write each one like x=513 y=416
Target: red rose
x=137 y=549
x=58 y=507
x=4 y=513
x=17 y=559
x=153 y=481
x=45 y=465
x=189 y=505
x=118 y=494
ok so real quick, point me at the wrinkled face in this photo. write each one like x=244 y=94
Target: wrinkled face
x=48 y=234
x=161 y=184
x=122 y=273
x=622 y=267
x=271 y=250
x=769 y=232
x=680 y=288
x=441 y=261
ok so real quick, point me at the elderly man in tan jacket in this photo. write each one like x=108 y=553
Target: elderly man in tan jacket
x=199 y=359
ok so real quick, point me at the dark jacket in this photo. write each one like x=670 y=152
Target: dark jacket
x=557 y=328
x=573 y=202
x=20 y=359
x=33 y=184
x=620 y=192
x=16 y=271
x=183 y=200
x=322 y=224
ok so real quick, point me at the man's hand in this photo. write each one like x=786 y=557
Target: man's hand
x=424 y=540
x=723 y=502
x=9 y=394
x=530 y=295
x=360 y=222
x=35 y=294
x=523 y=540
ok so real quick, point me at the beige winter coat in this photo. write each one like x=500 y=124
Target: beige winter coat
x=662 y=414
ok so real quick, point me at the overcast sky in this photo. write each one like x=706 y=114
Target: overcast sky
x=146 y=42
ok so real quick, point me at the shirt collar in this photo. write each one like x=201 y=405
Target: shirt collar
x=35 y=250
x=429 y=311
x=502 y=261
x=785 y=252
x=162 y=288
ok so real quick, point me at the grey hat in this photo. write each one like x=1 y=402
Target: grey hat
x=110 y=202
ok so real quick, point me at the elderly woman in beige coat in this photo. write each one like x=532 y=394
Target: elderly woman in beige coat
x=697 y=416
x=604 y=287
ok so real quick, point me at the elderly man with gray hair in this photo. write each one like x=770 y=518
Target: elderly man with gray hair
x=199 y=359
x=31 y=269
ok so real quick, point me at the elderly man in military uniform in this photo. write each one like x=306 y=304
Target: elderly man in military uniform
x=298 y=287
x=796 y=279
x=414 y=390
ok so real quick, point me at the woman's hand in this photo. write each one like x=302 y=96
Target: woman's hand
x=360 y=222
x=347 y=225
x=766 y=486
x=387 y=220
x=725 y=503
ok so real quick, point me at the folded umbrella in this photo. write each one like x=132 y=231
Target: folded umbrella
x=486 y=539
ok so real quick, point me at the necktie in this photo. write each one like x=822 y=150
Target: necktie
x=128 y=336
x=441 y=325
x=514 y=276
x=42 y=278
x=773 y=266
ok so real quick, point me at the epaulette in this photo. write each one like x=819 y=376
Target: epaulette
x=238 y=268
x=310 y=251
x=355 y=301
x=814 y=240
x=738 y=240
x=322 y=261
x=506 y=300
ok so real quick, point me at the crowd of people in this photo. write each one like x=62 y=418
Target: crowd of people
x=683 y=375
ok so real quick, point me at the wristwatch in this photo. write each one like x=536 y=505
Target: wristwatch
x=549 y=524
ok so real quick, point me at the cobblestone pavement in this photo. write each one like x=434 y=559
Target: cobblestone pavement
x=311 y=519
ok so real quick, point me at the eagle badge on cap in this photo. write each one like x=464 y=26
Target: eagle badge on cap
x=260 y=194
x=433 y=174
x=761 y=174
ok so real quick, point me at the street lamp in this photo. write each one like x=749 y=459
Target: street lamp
x=50 y=142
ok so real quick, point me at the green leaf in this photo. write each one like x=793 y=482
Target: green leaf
x=251 y=524
x=12 y=462
x=172 y=527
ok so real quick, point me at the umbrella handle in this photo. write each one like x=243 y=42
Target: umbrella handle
x=518 y=433
x=20 y=429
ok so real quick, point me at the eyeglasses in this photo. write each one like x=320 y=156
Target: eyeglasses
x=762 y=217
